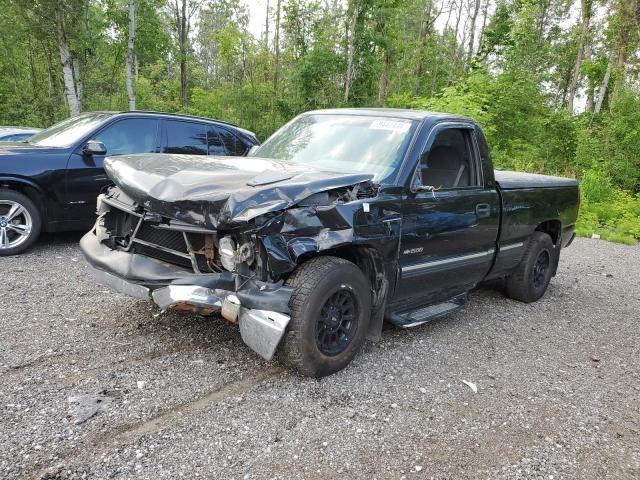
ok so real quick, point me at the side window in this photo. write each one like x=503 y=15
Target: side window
x=186 y=137
x=233 y=144
x=449 y=162
x=215 y=142
x=131 y=135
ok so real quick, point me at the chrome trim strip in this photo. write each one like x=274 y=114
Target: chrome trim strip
x=509 y=247
x=445 y=261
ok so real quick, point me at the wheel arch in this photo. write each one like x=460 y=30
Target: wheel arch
x=28 y=188
x=370 y=261
x=553 y=228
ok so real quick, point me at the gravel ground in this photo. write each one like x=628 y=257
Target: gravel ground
x=96 y=385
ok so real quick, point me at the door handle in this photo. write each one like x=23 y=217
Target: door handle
x=483 y=210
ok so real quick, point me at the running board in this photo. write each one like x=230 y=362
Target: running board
x=421 y=315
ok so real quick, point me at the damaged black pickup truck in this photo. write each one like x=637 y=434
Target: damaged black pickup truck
x=341 y=220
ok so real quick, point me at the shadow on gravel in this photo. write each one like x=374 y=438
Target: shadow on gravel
x=64 y=238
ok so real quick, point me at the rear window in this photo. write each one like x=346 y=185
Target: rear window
x=186 y=138
x=232 y=143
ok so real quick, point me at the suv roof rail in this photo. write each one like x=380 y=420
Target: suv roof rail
x=177 y=115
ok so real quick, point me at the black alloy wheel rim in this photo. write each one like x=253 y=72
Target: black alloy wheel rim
x=337 y=323
x=540 y=269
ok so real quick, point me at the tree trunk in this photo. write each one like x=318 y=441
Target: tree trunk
x=485 y=12
x=573 y=85
x=425 y=29
x=626 y=13
x=351 y=47
x=543 y=21
x=266 y=29
x=456 y=53
x=383 y=88
x=472 y=33
x=129 y=68
x=77 y=78
x=67 y=64
x=276 y=48
x=182 y=28
x=590 y=87
x=458 y=18
x=603 y=88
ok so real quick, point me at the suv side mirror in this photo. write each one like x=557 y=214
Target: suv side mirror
x=93 y=147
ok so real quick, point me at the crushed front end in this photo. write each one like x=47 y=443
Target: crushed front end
x=221 y=235
x=187 y=267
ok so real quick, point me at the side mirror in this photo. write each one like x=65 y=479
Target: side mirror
x=93 y=147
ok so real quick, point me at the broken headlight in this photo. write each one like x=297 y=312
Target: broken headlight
x=231 y=257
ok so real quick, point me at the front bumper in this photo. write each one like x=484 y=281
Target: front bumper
x=261 y=309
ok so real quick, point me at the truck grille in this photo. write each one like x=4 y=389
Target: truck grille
x=162 y=237
x=168 y=245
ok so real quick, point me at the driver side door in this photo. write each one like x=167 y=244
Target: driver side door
x=450 y=220
x=85 y=173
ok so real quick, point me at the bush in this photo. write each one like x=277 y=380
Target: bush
x=613 y=214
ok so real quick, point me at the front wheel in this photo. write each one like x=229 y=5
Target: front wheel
x=330 y=310
x=531 y=277
x=20 y=222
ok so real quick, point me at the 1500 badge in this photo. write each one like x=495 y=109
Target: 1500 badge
x=410 y=251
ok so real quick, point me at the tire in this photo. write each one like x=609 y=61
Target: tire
x=27 y=220
x=531 y=277
x=330 y=311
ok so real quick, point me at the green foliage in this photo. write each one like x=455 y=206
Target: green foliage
x=613 y=143
x=612 y=213
x=515 y=80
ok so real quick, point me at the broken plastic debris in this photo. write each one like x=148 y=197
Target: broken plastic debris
x=472 y=386
x=595 y=236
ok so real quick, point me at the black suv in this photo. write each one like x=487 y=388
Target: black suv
x=50 y=181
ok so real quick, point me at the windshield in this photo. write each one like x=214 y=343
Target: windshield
x=69 y=131
x=343 y=143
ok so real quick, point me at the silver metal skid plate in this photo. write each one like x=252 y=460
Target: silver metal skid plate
x=167 y=297
x=120 y=285
x=262 y=330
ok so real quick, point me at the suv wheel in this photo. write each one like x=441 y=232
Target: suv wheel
x=20 y=222
x=330 y=310
x=531 y=277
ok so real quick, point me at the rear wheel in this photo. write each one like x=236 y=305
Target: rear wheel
x=330 y=310
x=531 y=278
x=20 y=222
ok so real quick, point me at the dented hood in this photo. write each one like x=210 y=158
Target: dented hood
x=219 y=192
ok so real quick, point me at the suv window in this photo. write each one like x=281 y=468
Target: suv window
x=130 y=135
x=186 y=137
x=449 y=162
x=215 y=142
x=232 y=143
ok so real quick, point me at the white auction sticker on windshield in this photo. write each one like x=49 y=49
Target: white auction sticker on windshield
x=390 y=125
